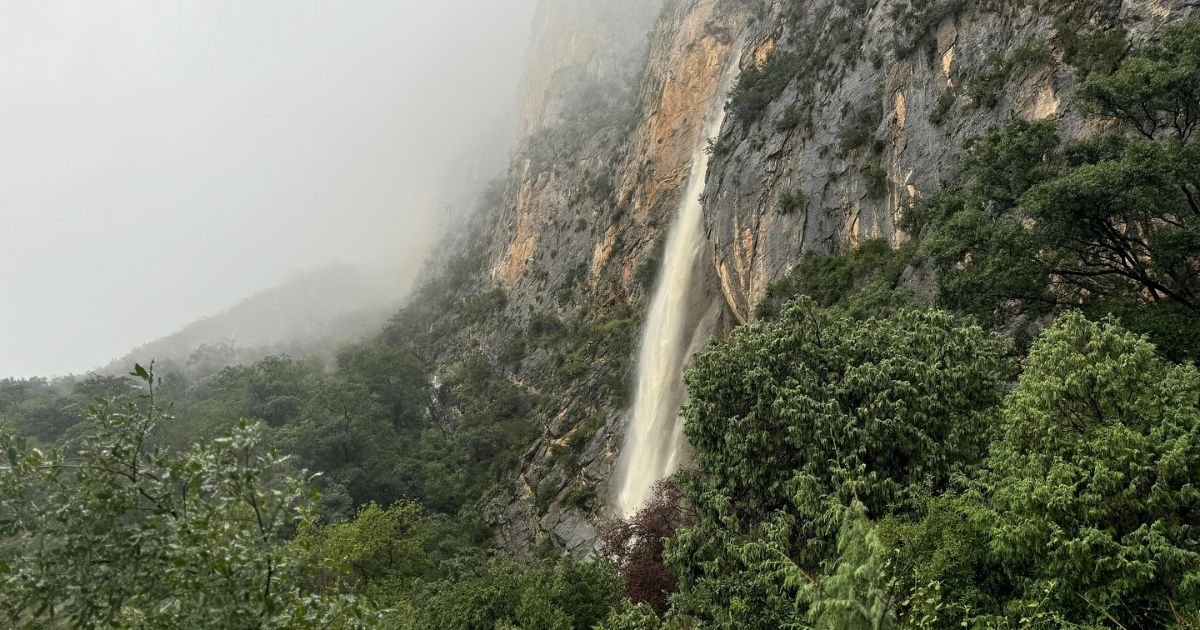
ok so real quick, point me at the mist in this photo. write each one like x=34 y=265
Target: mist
x=164 y=160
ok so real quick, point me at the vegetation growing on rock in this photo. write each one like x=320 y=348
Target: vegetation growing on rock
x=1019 y=450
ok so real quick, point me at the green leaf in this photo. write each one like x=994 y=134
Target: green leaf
x=140 y=372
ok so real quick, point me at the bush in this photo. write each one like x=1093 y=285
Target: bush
x=794 y=116
x=1083 y=507
x=877 y=178
x=1095 y=52
x=942 y=107
x=864 y=280
x=791 y=201
x=985 y=88
x=506 y=593
x=922 y=213
x=807 y=425
x=122 y=534
x=917 y=21
x=581 y=497
x=860 y=130
x=545 y=327
x=759 y=85
x=1046 y=226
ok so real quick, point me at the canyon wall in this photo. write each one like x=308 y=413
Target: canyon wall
x=876 y=100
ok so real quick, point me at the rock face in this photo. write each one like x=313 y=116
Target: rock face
x=576 y=43
x=601 y=178
x=968 y=72
x=586 y=203
x=877 y=101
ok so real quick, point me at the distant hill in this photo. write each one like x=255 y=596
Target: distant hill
x=313 y=312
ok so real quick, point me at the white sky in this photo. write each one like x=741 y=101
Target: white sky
x=162 y=159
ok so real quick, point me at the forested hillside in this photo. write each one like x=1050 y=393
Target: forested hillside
x=311 y=313
x=965 y=397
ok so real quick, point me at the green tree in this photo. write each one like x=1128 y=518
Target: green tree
x=1003 y=164
x=865 y=281
x=1093 y=481
x=387 y=553
x=1085 y=513
x=1123 y=227
x=1110 y=224
x=486 y=427
x=120 y=534
x=272 y=390
x=855 y=589
x=504 y=593
x=1155 y=93
x=397 y=377
x=797 y=421
x=639 y=617
x=344 y=432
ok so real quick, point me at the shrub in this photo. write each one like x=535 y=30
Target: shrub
x=942 y=107
x=876 y=176
x=794 y=116
x=917 y=21
x=805 y=425
x=506 y=593
x=863 y=280
x=791 y=201
x=860 y=131
x=1090 y=52
x=118 y=533
x=636 y=545
x=985 y=88
x=1084 y=506
x=759 y=85
x=580 y=497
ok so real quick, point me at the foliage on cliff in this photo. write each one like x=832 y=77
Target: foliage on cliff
x=860 y=462
x=1110 y=224
x=1066 y=502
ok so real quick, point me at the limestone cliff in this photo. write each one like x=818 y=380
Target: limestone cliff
x=586 y=203
x=867 y=105
x=882 y=117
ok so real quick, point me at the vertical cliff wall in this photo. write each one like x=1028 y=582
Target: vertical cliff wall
x=881 y=98
x=585 y=208
x=858 y=108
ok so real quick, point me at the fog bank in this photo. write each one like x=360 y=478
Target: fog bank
x=164 y=160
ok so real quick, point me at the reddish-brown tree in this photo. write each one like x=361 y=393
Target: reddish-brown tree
x=636 y=544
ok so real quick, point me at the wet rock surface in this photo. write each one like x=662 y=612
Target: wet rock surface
x=611 y=117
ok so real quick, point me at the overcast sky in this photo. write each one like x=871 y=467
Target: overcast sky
x=162 y=159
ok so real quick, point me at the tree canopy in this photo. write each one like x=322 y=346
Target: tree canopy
x=810 y=423
x=122 y=534
x=1110 y=224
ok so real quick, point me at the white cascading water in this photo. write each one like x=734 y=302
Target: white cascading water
x=654 y=441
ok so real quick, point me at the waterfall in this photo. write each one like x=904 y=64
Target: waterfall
x=654 y=440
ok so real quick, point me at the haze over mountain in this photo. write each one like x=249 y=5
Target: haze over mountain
x=830 y=314
x=311 y=313
x=195 y=153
